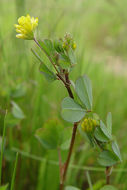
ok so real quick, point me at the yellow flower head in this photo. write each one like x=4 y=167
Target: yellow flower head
x=26 y=27
x=88 y=125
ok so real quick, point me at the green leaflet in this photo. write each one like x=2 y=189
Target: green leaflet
x=116 y=150
x=53 y=135
x=109 y=123
x=16 y=111
x=72 y=111
x=100 y=136
x=49 y=75
x=71 y=188
x=84 y=91
x=107 y=158
x=72 y=56
x=105 y=130
x=47 y=46
x=64 y=61
x=108 y=187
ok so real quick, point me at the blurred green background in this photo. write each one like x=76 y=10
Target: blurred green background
x=99 y=28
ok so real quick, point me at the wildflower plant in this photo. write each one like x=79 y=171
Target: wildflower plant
x=76 y=108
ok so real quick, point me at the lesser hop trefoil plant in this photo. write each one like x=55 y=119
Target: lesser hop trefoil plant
x=77 y=107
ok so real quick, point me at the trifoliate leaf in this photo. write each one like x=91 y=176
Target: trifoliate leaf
x=48 y=74
x=50 y=134
x=53 y=135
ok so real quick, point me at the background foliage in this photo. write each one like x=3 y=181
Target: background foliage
x=99 y=29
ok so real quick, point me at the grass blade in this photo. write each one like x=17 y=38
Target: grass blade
x=2 y=147
x=14 y=172
x=89 y=180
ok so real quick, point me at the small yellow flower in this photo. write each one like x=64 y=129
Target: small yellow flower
x=74 y=46
x=88 y=125
x=26 y=27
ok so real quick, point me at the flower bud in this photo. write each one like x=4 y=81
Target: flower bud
x=68 y=42
x=89 y=125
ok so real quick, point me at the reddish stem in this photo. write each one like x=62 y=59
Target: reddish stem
x=107 y=175
x=69 y=156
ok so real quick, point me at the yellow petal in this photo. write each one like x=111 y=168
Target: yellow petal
x=21 y=36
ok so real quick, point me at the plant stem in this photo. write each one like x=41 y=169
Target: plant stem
x=69 y=155
x=107 y=175
x=66 y=82
x=67 y=85
x=65 y=166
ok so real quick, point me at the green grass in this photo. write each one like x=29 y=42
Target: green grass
x=99 y=29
